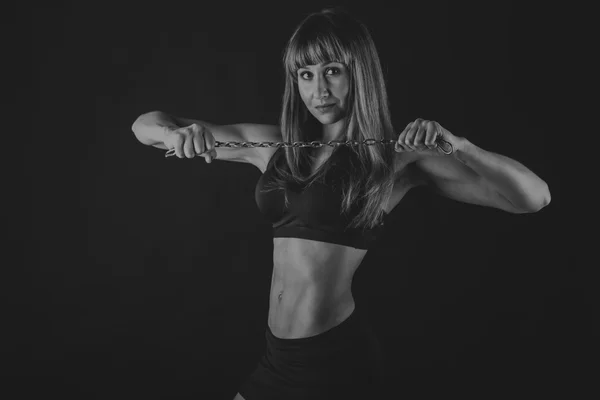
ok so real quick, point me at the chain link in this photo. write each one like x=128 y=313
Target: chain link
x=314 y=144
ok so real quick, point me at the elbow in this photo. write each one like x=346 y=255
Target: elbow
x=545 y=197
x=542 y=200
x=135 y=128
x=137 y=125
x=538 y=206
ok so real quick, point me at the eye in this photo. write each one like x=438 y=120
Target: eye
x=305 y=75
x=334 y=70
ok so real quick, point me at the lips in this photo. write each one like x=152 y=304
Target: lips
x=324 y=106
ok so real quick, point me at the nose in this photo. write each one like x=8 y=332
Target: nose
x=321 y=91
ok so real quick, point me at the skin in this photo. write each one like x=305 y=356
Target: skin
x=323 y=84
x=310 y=288
x=311 y=282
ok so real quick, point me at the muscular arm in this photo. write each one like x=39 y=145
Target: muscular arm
x=150 y=129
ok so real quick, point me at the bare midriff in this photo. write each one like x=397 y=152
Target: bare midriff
x=311 y=282
x=310 y=286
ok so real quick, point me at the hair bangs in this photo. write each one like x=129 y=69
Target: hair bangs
x=315 y=45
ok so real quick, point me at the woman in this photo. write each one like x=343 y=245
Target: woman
x=327 y=204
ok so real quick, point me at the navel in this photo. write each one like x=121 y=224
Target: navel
x=279 y=296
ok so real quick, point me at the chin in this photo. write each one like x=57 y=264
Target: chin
x=327 y=120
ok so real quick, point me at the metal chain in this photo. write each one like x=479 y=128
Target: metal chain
x=316 y=144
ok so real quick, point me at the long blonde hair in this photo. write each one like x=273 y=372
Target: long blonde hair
x=333 y=35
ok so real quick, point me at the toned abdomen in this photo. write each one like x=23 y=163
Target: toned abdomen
x=310 y=286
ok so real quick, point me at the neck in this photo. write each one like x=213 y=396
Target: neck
x=333 y=131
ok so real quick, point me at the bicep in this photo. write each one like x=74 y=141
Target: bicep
x=450 y=178
x=474 y=191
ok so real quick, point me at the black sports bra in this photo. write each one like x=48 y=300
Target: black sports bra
x=315 y=212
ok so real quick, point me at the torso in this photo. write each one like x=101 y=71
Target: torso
x=311 y=281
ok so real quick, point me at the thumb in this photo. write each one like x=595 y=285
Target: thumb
x=209 y=156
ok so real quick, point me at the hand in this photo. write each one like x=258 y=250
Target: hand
x=190 y=141
x=426 y=137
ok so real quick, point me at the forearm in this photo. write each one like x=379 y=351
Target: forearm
x=518 y=184
x=150 y=128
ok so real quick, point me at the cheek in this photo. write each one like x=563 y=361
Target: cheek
x=303 y=93
x=342 y=89
x=345 y=94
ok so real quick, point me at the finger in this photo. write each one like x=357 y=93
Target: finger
x=198 y=143
x=207 y=157
x=399 y=148
x=430 y=135
x=209 y=141
x=438 y=130
x=410 y=136
x=403 y=133
x=188 y=147
x=419 y=139
x=400 y=143
x=178 y=146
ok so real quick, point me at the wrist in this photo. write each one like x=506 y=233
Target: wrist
x=461 y=147
x=167 y=128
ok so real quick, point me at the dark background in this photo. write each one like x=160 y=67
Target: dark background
x=139 y=276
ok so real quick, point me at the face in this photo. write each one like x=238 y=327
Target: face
x=324 y=84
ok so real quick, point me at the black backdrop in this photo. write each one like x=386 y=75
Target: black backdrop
x=146 y=277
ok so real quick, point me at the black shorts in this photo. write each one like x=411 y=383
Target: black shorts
x=344 y=362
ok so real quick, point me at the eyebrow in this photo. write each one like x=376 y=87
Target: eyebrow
x=324 y=64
